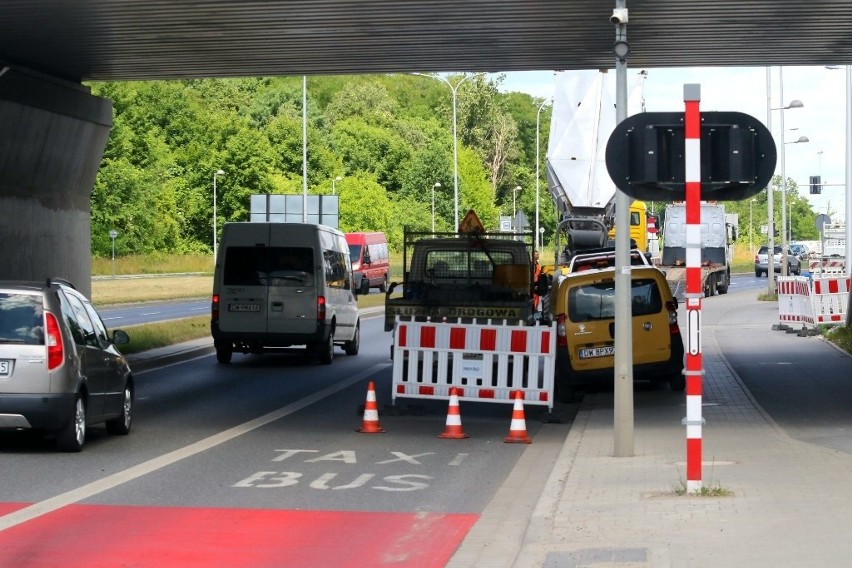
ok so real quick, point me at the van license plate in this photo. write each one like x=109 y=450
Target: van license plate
x=607 y=351
x=243 y=307
x=5 y=367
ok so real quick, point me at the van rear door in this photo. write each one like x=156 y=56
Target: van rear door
x=243 y=291
x=295 y=273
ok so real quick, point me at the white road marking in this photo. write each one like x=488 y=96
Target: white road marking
x=109 y=482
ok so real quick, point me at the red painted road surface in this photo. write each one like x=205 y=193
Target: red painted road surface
x=95 y=536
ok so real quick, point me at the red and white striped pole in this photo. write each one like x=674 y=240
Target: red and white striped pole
x=694 y=290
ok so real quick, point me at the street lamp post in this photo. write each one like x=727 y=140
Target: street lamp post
x=113 y=234
x=454 y=89
x=333 y=188
x=436 y=185
x=537 y=175
x=217 y=173
x=793 y=104
x=514 y=203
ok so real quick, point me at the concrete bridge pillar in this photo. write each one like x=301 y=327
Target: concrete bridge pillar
x=52 y=138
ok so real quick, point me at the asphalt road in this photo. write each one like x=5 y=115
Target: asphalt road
x=266 y=435
x=259 y=462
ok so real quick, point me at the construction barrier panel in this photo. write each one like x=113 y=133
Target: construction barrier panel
x=831 y=266
x=485 y=362
x=829 y=297
x=794 y=300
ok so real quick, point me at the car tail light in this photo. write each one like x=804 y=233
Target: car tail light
x=674 y=328
x=320 y=308
x=757 y=258
x=214 y=307
x=561 y=332
x=53 y=339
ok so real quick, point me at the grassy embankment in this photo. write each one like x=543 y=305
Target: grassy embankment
x=195 y=280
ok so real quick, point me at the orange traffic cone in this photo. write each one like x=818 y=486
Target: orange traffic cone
x=370 y=424
x=453 y=429
x=518 y=428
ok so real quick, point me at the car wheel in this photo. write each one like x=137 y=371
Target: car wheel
x=677 y=383
x=352 y=347
x=224 y=354
x=72 y=437
x=757 y=273
x=365 y=286
x=383 y=287
x=120 y=425
x=326 y=350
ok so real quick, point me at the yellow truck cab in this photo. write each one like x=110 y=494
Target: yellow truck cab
x=584 y=310
x=638 y=226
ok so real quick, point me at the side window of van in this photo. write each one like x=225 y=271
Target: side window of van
x=335 y=269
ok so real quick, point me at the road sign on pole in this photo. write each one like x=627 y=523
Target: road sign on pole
x=645 y=156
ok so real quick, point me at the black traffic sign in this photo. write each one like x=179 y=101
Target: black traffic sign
x=645 y=156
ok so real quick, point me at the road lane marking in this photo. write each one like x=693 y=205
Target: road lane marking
x=114 y=480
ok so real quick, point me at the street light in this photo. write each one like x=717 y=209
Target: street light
x=793 y=104
x=537 y=162
x=848 y=194
x=333 y=180
x=454 y=89
x=217 y=173
x=437 y=184
x=788 y=231
x=514 y=203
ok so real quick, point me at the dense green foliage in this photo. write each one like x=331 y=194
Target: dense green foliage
x=389 y=137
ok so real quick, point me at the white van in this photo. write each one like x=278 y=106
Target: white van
x=283 y=284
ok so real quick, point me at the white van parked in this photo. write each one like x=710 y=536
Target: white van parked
x=280 y=285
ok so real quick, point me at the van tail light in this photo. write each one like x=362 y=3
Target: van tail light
x=320 y=308
x=674 y=328
x=53 y=339
x=214 y=308
x=561 y=332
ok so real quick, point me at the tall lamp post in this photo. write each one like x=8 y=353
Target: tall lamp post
x=436 y=185
x=215 y=239
x=793 y=104
x=514 y=203
x=454 y=89
x=333 y=181
x=537 y=175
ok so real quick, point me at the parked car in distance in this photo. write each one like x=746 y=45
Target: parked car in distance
x=60 y=370
x=761 y=261
x=585 y=329
x=370 y=261
x=801 y=250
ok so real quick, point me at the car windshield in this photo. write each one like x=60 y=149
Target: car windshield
x=596 y=301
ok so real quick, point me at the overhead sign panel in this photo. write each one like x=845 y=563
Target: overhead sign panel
x=645 y=156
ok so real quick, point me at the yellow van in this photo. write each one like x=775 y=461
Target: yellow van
x=584 y=311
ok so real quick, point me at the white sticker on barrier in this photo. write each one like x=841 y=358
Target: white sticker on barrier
x=487 y=363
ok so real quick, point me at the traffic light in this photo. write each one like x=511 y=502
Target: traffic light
x=816 y=185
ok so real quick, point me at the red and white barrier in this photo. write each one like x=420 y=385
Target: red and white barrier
x=794 y=300
x=818 y=300
x=827 y=266
x=486 y=363
x=829 y=298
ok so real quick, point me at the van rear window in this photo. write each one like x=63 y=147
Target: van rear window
x=21 y=319
x=597 y=301
x=269 y=266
